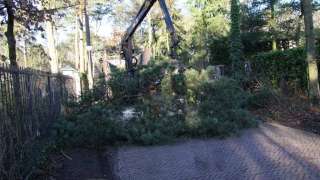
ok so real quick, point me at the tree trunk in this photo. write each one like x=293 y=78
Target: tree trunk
x=50 y=31
x=10 y=34
x=88 y=45
x=25 y=59
x=81 y=45
x=76 y=44
x=148 y=51
x=314 y=92
x=274 y=45
x=150 y=31
x=16 y=113
x=206 y=42
x=298 y=33
x=298 y=38
x=168 y=43
x=273 y=22
x=54 y=63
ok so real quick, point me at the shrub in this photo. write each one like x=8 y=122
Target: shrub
x=94 y=127
x=123 y=87
x=155 y=124
x=101 y=125
x=152 y=73
x=215 y=108
x=178 y=84
x=166 y=88
x=222 y=108
x=126 y=89
x=288 y=65
x=221 y=94
x=194 y=79
x=262 y=97
x=89 y=97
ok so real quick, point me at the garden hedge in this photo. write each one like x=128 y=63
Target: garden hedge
x=287 y=65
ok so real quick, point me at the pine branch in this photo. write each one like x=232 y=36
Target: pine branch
x=59 y=8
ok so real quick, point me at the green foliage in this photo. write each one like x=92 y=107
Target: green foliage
x=178 y=84
x=219 y=53
x=208 y=42
x=38 y=156
x=213 y=108
x=94 y=127
x=152 y=73
x=126 y=89
x=166 y=88
x=222 y=94
x=236 y=54
x=157 y=123
x=36 y=58
x=194 y=79
x=262 y=97
x=123 y=87
x=265 y=21
x=90 y=97
x=222 y=108
x=102 y=124
x=231 y=123
x=278 y=66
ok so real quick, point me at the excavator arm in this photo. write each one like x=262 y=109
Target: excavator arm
x=126 y=43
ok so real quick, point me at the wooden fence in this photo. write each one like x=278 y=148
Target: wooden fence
x=30 y=102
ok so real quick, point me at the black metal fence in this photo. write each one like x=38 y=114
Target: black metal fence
x=30 y=102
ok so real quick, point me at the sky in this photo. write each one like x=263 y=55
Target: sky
x=106 y=29
x=182 y=4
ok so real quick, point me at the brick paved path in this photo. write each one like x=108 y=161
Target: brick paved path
x=269 y=152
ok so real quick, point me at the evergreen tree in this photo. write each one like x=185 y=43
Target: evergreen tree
x=314 y=91
x=236 y=54
x=208 y=40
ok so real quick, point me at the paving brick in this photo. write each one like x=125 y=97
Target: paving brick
x=269 y=152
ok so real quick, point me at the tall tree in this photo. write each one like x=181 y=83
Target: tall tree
x=88 y=45
x=314 y=92
x=9 y=5
x=272 y=24
x=76 y=42
x=209 y=31
x=50 y=31
x=81 y=32
x=54 y=7
x=85 y=49
x=235 y=40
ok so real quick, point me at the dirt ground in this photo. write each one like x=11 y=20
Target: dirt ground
x=294 y=112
